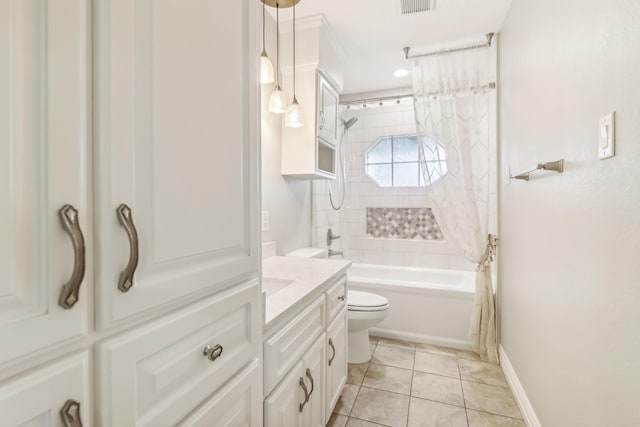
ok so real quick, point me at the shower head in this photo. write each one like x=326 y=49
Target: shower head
x=348 y=123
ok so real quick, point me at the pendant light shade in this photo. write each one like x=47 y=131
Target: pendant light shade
x=295 y=116
x=266 y=66
x=267 y=75
x=277 y=100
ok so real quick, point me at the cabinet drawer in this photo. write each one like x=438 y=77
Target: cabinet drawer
x=284 y=349
x=336 y=298
x=157 y=374
x=236 y=404
x=36 y=398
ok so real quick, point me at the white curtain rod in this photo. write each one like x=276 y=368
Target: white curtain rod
x=489 y=37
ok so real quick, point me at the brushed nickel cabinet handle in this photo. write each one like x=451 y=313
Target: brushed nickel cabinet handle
x=306 y=394
x=213 y=352
x=126 y=277
x=341 y=298
x=334 y=351
x=70 y=414
x=308 y=374
x=70 y=291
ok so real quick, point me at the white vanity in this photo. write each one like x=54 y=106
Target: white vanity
x=305 y=339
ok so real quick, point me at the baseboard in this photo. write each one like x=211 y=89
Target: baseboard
x=528 y=413
x=427 y=339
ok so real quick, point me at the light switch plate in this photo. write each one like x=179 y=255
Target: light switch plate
x=607 y=136
x=265 y=220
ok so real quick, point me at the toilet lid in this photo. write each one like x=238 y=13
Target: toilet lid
x=362 y=300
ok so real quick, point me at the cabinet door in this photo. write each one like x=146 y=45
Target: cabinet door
x=238 y=404
x=282 y=407
x=37 y=398
x=336 y=360
x=314 y=362
x=44 y=165
x=328 y=112
x=177 y=124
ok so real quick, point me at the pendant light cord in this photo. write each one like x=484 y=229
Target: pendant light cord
x=277 y=45
x=294 y=51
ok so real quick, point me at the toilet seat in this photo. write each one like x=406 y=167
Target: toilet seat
x=365 y=301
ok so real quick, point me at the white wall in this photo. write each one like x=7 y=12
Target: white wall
x=570 y=243
x=288 y=201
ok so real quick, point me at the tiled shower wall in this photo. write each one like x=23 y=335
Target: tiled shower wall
x=362 y=193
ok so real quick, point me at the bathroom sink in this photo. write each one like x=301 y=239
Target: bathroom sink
x=272 y=285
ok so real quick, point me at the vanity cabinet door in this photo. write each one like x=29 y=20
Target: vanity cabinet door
x=45 y=163
x=314 y=362
x=176 y=143
x=282 y=407
x=336 y=360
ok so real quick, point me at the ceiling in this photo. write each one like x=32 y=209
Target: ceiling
x=373 y=33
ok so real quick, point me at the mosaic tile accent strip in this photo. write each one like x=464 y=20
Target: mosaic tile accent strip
x=403 y=223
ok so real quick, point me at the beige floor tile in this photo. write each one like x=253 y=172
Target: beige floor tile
x=425 y=413
x=398 y=357
x=388 y=378
x=381 y=407
x=355 y=373
x=372 y=347
x=437 y=364
x=490 y=398
x=483 y=372
x=482 y=419
x=396 y=343
x=437 y=387
x=346 y=400
x=436 y=349
x=466 y=354
x=337 y=420
x=354 y=422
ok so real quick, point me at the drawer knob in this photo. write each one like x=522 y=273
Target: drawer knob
x=213 y=351
x=341 y=297
x=70 y=414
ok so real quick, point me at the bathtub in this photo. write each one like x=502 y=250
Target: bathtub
x=427 y=305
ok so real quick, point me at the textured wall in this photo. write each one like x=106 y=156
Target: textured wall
x=570 y=243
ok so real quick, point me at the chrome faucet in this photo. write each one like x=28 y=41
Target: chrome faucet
x=335 y=253
x=331 y=237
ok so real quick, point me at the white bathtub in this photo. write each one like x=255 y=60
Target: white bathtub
x=427 y=305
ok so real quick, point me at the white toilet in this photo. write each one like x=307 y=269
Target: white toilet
x=365 y=310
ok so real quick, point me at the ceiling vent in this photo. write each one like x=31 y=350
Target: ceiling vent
x=415 y=6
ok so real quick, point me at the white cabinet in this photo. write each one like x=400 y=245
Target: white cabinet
x=306 y=362
x=327 y=111
x=156 y=373
x=37 y=398
x=310 y=151
x=176 y=142
x=44 y=153
x=299 y=399
x=336 y=360
x=122 y=112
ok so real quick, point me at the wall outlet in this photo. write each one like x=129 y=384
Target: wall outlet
x=265 y=220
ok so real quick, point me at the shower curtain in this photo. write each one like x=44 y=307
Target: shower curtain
x=452 y=118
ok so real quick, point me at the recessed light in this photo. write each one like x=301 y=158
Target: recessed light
x=401 y=72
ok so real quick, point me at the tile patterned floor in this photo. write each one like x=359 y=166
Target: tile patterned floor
x=420 y=385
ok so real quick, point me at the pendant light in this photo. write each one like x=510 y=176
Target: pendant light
x=277 y=101
x=266 y=66
x=294 y=117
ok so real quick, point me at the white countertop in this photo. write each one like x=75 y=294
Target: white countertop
x=289 y=281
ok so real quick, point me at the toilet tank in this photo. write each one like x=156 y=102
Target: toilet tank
x=308 y=253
